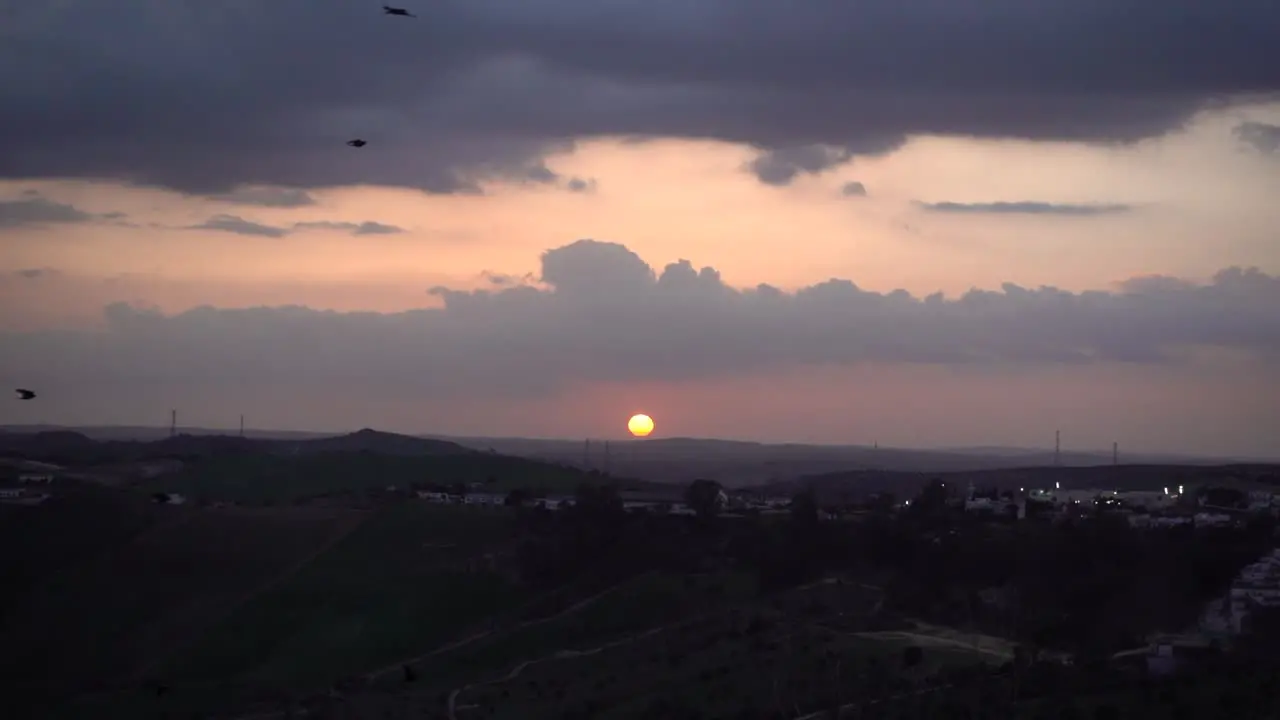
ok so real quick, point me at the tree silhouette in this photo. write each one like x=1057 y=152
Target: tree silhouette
x=703 y=497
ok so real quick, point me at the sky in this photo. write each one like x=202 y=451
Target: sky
x=922 y=224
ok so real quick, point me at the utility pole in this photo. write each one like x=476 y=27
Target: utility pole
x=173 y=423
x=1057 y=448
x=1115 y=453
x=586 y=454
x=606 y=457
x=242 y=426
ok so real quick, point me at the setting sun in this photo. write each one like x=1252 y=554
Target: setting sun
x=640 y=425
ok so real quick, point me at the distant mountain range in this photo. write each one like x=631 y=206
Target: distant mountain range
x=734 y=463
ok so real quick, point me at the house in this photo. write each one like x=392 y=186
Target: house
x=21 y=496
x=42 y=479
x=1166 y=656
x=161 y=498
x=1257 y=585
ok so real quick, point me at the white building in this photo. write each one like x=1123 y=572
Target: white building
x=35 y=479
x=1258 y=584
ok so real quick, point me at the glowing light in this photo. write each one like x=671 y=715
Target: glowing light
x=640 y=425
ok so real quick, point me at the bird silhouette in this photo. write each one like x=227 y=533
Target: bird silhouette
x=397 y=11
x=357 y=143
x=24 y=394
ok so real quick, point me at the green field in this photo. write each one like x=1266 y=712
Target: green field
x=645 y=602
x=266 y=478
x=101 y=622
x=659 y=644
x=388 y=590
x=64 y=532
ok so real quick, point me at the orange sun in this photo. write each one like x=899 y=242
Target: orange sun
x=640 y=425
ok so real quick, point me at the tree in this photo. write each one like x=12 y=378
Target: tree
x=517 y=497
x=703 y=497
x=804 y=509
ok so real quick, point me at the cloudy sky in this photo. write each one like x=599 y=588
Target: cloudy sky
x=929 y=223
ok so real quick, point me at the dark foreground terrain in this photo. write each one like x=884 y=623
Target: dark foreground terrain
x=300 y=580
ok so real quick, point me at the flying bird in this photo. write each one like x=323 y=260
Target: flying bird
x=397 y=11
x=357 y=143
x=24 y=394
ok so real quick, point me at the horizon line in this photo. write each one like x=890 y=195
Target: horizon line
x=992 y=450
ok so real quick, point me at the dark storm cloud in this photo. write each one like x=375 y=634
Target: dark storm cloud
x=779 y=167
x=1260 y=136
x=269 y=197
x=32 y=209
x=602 y=313
x=1026 y=207
x=239 y=226
x=539 y=174
x=205 y=97
x=853 y=188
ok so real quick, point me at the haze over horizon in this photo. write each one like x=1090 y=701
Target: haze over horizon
x=812 y=223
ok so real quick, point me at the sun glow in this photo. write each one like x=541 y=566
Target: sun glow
x=640 y=425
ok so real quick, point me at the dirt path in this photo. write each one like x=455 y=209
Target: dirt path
x=249 y=596
x=924 y=639
x=557 y=655
x=396 y=666
x=569 y=654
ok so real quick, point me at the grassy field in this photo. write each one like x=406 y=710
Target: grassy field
x=715 y=648
x=72 y=529
x=104 y=621
x=392 y=587
x=266 y=478
x=635 y=606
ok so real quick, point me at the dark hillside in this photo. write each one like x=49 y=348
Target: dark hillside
x=382 y=443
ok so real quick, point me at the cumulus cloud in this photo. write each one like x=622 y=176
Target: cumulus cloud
x=205 y=97
x=269 y=197
x=1027 y=207
x=853 y=188
x=239 y=226
x=32 y=209
x=601 y=313
x=1260 y=136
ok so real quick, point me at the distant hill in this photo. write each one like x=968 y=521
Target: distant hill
x=676 y=460
x=382 y=443
x=75 y=448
